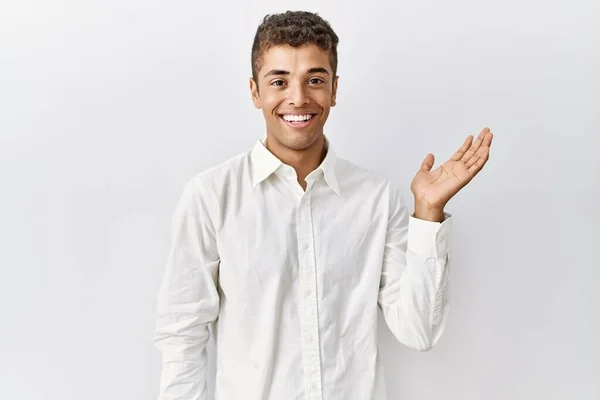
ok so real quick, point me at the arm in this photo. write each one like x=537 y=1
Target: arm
x=414 y=289
x=188 y=300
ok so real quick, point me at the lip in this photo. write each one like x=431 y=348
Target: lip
x=297 y=125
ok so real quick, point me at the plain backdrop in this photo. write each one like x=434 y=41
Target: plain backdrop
x=108 y=107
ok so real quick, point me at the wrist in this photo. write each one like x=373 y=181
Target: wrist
x=429 y=213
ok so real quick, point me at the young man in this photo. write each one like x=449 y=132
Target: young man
x=287 y=251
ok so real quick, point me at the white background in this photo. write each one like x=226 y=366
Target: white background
x=108 y=107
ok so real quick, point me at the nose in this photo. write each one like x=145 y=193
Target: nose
x=297 y=95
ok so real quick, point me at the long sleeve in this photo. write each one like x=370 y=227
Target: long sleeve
x=414 y=287
x=188 y=299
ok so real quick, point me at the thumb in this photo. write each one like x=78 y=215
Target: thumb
x=428 y=163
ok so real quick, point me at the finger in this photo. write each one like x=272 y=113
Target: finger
x=477 y=165
x=475 y=146
x=427 y=163
x=482 y=152
x=472 y=161
x=487 y=141
x=465 y=146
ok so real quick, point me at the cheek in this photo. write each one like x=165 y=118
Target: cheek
x=324 y=98
x=325 y=103
x=270 y=102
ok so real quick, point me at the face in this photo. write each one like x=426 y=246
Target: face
x=295 y=90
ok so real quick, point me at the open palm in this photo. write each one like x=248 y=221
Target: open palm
x=436 y=187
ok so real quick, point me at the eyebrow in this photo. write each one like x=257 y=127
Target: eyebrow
x=309 y=71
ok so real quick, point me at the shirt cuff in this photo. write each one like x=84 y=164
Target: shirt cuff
x=428 y=238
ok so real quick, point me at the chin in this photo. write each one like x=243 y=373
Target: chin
x=298 y=140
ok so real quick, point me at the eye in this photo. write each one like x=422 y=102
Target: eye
x=278 y=82
x=315 y=81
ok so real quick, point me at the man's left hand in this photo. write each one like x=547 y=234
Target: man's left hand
x=433 y=189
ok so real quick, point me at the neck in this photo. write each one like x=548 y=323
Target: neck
x=304 y=161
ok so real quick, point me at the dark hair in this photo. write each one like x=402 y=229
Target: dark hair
x=294 y=28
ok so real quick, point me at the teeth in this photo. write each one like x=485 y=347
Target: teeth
x=297 y=118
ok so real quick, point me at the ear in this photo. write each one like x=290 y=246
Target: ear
x=254 y=93
x=334 y=91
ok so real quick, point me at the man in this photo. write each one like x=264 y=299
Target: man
x=288 y=250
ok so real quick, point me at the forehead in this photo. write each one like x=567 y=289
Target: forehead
x=295 y=59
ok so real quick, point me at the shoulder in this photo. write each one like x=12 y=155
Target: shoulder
x=200 y=197
x=217 y=177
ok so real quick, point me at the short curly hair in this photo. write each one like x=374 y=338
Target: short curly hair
x=294 y=28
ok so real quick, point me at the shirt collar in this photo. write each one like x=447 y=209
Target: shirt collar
x=264 y=163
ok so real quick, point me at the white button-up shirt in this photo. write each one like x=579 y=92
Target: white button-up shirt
x=291 y=280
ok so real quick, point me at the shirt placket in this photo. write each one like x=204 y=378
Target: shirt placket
x=308 y=300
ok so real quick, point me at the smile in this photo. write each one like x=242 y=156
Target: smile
x=297 y=120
